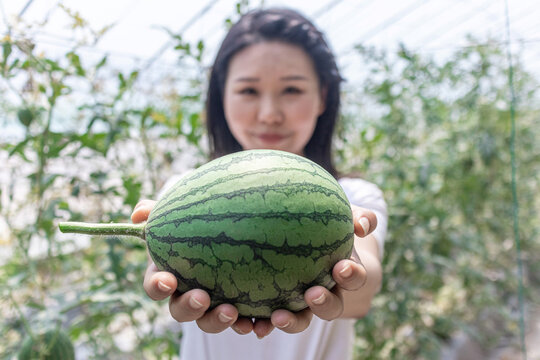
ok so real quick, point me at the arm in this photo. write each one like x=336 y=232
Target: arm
x=357 y=303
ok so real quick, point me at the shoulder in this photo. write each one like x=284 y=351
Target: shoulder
x=354 y=182
x=358 y=189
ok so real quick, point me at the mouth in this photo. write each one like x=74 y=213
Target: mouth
x=270 y=138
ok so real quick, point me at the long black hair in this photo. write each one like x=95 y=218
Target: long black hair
x=290 y=27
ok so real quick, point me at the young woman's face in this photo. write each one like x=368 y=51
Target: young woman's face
x=272 y=97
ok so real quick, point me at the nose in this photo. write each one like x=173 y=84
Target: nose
x=270 y=111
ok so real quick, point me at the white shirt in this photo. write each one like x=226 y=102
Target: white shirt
x=322 y=340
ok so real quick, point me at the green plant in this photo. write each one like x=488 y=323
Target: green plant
x=435 y=137
x=50 y=345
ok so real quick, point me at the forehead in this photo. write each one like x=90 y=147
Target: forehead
x=268 y=57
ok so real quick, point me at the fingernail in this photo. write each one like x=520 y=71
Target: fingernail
x=194 y=303
x=260 y=337
x=364 y=223
x=235 y=328
x=161 y=285
x=346 y=271
x=320 y=300
x=224 y=318
x=285 y=325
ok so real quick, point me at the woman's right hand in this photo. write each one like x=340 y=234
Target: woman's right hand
x=193 y=304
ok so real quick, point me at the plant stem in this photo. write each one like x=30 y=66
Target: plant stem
x=22 y=317
x=103 y=229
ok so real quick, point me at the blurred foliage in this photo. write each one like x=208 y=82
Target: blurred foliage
x=91 y=141
x=85 y=148
x=436 y=138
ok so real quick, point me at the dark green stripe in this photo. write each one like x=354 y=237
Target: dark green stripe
x=287 y=189
x=317 y=216
x=233 y=178
x=221 y=164
x=222 y=238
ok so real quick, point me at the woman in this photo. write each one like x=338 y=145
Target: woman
x=275 y=85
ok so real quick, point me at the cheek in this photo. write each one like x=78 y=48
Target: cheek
x=238 y=117
x=236 y=111
x=305 y=114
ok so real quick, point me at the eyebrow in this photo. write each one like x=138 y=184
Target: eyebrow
x=284 y=78
x=294 y=77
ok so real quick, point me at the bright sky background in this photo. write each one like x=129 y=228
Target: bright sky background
x=436 y=27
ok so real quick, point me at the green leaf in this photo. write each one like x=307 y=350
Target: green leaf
x=35 y=305
x=200 y=50
x=26 y=116
x=133 y=76
x=20 y=148
x=6 y=51
x=95 y=141
x=48 y=180
x=52 y=66
x=76 y=63
x=133 y=190
x=102 y=62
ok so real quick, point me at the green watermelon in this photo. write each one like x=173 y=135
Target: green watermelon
x=49 y=345
x=254 y=229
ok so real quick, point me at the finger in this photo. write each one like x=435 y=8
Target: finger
x=323 y=303
x=158 y=284
x=142 y=210
x=349 y=275
x=292 y=323
x=243 y=326
x=189 y=306
x=218 y=319
x=262 y=327
x=365 y=221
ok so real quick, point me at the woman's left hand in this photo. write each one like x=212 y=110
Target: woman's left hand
x=349 y=274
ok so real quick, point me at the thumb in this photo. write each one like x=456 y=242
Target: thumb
x=142 y=210
x=365 y=221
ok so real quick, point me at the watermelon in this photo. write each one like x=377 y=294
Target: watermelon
x=49 y=345
x=255 y=229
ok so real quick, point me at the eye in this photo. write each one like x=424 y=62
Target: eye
x=248 y=91
x=292 y=90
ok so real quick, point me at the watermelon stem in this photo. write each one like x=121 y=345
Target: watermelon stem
x=103 y=228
